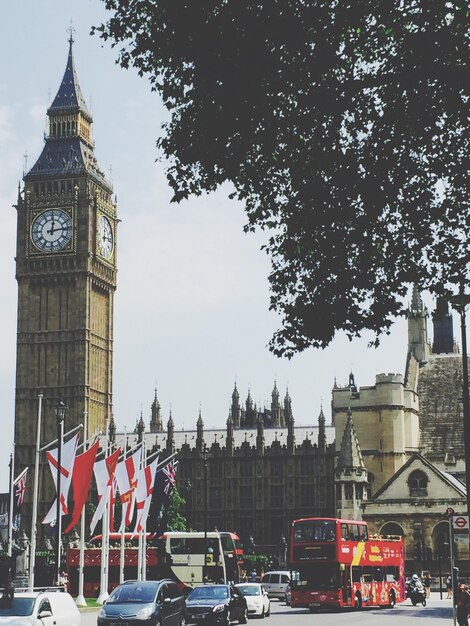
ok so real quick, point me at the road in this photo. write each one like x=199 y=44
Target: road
x=402 y=615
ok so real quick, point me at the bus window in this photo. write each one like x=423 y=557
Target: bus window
x=363 y=532
x=392 y=574
x=378 y=574
x=344 y=532
x=354 y=532
x=356 y=573
x=367 y=574
x=318 y=530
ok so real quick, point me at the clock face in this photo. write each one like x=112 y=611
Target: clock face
x=52 y=230
x=105 y=237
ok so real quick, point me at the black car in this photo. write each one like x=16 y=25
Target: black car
x=144 y=603
x=216 y=604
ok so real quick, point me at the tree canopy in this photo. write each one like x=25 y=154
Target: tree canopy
x=343 y=126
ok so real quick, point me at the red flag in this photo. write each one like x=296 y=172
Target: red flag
x=81 y=481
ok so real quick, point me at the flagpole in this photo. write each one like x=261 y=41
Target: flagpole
x=10 y=512
x=123 y=522
x=103 y=596
x=143 y=542
x=80 y=601
x=32 y=554
x=60 y=409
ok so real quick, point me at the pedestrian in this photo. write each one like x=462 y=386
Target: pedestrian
x=449 y=587
x=462 y=602
x=427 y=580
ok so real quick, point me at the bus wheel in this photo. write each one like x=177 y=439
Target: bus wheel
x=392 y=600
x=358 y=601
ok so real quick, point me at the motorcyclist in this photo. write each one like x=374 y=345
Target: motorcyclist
x=415 y=589
x=415 y=583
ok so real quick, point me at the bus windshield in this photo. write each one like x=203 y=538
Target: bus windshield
x=315 y=530
x=320 y=576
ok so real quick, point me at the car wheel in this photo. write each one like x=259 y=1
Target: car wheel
x=268 y=612
x=262 y=613
x=244 y=618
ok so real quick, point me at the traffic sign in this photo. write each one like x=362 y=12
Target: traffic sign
x=460 y=522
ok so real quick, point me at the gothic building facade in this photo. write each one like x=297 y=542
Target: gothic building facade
x=253 y=477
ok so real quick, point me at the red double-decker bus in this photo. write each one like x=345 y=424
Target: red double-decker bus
x=335 y=563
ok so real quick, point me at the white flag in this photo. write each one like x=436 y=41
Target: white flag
x=143 y=495
x=127 y=472
x=104 y=476
x=67 y=461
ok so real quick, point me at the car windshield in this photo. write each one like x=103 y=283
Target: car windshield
x=21 y=607
x=249 y=590
x=138 y=593
x=208 y=592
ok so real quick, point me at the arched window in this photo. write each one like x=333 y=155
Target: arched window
x=392 y=528
x=418 y=484
x=440 y=540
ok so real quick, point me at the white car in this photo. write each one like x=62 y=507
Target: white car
x=48 y=608
x=256 y=599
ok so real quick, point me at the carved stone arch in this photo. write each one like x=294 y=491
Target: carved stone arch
x=418 y=483
x=392 y=528
x=440 y=539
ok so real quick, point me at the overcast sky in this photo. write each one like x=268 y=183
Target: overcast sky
x=191 y=308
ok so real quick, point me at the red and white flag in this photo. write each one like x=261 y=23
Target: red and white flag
x=104 y=475
x=127 y=472
x=143 y=495
x=67 y=461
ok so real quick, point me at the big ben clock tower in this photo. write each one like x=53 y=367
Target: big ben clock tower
x=66 y=273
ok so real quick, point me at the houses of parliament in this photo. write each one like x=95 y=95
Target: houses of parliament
x=391 y=451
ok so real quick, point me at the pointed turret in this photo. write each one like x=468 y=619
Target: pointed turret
x=275 y=408
x=140 y=428
x=351 y=475
x=170 y=439
x=200 y=433
x=289 y=420
x=68 y=149
x=321 y=431
x=235 y=409
x=249 y=412
x=69 y=97
x=156 y=423
x=417 y=328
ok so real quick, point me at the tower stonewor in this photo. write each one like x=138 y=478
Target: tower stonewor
x=66 y=273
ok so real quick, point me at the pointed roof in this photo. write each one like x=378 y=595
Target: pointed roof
x=416 y=306
x=69 y=96
x=350 y=454
x=451 y=481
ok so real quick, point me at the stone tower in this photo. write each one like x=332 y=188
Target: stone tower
x=66 y=274
x=351 y=475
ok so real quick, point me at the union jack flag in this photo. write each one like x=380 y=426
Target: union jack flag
x=20 y=489
x=170 y=475
x=165 y=482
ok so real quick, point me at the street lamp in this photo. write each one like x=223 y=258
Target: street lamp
x=60 y=414
x=205 y=455
x=460 y=302
x=283 y=551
